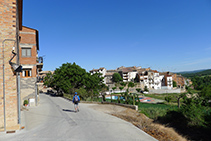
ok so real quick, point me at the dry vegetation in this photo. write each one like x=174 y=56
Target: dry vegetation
x=158 y=131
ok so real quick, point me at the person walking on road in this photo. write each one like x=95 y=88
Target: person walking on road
x=76 y=100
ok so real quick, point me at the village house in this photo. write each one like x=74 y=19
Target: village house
x=100 y=70
x=31 y=63
x=18 y=56
x=180 y=80
x=150 y=78
x=109 y=76
x=128 y=73
x=167 y=81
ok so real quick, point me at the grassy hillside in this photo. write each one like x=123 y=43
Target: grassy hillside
x=196 y=73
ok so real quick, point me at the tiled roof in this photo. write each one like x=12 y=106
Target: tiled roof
x=109 y=73
x=97 y=69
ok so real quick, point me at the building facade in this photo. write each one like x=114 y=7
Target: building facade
x=10 y=23
x=29 y=47
x=180 y=80
x=128 y=73
x=100 y=70
x=18 y=49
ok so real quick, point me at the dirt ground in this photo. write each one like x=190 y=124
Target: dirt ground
x=160 y=132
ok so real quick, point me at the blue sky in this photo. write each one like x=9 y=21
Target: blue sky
x=166 y=35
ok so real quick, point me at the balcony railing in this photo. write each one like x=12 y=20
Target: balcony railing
x=40 y=63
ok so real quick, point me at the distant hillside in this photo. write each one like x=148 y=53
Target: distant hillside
x=196 y=73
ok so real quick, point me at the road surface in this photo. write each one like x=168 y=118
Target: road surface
x=54 y=119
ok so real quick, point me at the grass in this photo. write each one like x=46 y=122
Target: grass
x=69 y=96
x=161 y=96
x=154 y=111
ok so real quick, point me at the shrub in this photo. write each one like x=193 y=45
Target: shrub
x=154 y=112
x=146 y=89
x=25 y=102
x=195 y=114
x=138 y=90
x=168 y=98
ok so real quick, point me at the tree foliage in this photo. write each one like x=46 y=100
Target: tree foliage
x=138 y=90
x=117 y=77
x=131 y=84
x=146 y=89
x=71 y=77
x=174 y=83
x=123 y=84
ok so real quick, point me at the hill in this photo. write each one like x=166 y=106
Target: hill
x=195 y=73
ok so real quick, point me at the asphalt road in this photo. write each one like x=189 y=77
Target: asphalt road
x=54 y=119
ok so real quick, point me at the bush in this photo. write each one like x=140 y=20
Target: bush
x=146 y=89
x=25 y=102
x=138 y=90
x=195 y=114
x=154 y=112
x=168 y=98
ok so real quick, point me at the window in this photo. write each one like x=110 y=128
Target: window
x=26 y=52
x=27 y=73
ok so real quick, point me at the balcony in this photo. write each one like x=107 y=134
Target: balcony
x=39 y=64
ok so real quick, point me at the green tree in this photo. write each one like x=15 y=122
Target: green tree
x=49 y=80
x=93 y=84
x=121 y=88
x=69 y=77
x=113 y=88
x=82 y=93
x=116 y=77
x=130 y=84
x=146 y=89
x=174 y=83
x=138 y=90
x=206 y=94
x=123 y=84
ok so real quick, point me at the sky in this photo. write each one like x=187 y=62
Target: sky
x=166 y=35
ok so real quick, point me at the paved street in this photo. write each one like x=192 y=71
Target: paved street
x=55 y=119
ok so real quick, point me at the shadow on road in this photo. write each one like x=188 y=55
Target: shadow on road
x=53 y=94
x=66 y=110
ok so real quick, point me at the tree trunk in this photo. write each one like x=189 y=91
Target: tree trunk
x=118 y=99
x=103 y=97
x=126 y=99
x=178 y=102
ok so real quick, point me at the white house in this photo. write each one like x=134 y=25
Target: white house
x=128 y=73
x=169 y=81
x=100 y=70
x=152 y=79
